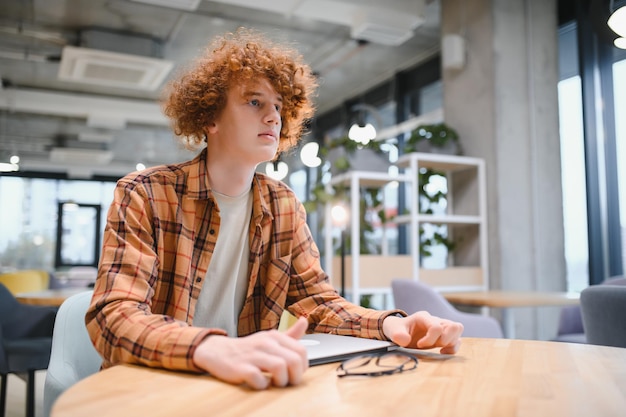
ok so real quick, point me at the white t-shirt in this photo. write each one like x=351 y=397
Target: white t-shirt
x=224 y=290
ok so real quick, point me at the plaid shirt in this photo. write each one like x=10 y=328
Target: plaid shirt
x=161 y=231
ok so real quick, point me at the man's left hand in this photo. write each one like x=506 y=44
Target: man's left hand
x=422 y=331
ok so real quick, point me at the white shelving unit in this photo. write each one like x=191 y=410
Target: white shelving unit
x=465 y=217
x=356 y=276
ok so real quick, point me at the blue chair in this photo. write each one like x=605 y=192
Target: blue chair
x=73 y=355
x=25 y=344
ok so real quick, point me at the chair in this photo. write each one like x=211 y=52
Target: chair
x=603 y=310
x=25 y=343
x=73 y=355
x=570 y=327
x=412 y=296
x=25 y=281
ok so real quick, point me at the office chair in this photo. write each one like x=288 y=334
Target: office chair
x=603 y=309
x=73 y=355
x=412 y=296
x=570 y=328
x=25 y=343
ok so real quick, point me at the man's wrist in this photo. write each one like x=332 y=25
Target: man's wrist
x=388 y=323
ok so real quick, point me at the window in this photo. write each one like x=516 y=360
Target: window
x=592 y=93
x=573 y=183
x=619 y=94
x=28 y=225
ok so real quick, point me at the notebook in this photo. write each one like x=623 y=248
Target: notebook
x=325 y=348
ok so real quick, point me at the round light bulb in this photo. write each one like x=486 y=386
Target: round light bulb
x=617 y=21
x=339 y=214
x=281 y=171
x=308 y=154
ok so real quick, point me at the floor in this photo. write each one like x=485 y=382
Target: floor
x=16 y=395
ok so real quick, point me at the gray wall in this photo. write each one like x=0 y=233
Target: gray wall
x=504 y=105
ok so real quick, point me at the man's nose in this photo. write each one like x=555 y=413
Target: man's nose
x=273 y=116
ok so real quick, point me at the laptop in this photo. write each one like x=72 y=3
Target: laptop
x=324 y=348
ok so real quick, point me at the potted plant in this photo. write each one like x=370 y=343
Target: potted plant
x=344 y=154
x=432 y=138
x=429 y=199
x=438 y=138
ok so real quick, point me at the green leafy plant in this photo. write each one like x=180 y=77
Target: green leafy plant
x=437 y=135
x=433 y=137
x=427 y=200
x=342 y=163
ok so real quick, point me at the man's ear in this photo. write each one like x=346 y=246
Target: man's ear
x=211 y=128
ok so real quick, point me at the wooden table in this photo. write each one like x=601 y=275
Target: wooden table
x=488 y=377
x=48 y=297
x=504 y=299
x=508 y=299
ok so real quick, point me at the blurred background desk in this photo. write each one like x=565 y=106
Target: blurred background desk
x=508 y=299
x=488 y=377
x=48 y=297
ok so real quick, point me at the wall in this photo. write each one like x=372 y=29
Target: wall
x=504 y=105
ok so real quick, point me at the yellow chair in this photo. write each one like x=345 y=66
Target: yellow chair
x=25 y=281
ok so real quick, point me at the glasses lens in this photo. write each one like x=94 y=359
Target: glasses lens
x=397 y=361
x=372 y=365
x=356 y=362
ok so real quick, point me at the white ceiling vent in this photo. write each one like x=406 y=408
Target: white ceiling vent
x=384 y=28
x=174 y=4
x=384 y=35
x=370 y=20
x=78 y=156
x=112 y=69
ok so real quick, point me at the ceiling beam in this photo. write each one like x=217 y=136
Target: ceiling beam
x=122 y=111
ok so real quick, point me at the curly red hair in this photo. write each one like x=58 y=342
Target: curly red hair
x=197 y=98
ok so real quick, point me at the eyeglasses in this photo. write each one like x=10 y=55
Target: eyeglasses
x=377 y=364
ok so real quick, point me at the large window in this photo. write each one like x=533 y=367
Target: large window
x=619 y=93
x=29 y=221
x=573 y=183
x=592 y=93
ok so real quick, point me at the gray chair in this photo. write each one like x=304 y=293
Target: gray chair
x=412 y=296
x=603 y=311
x=25 y=340
x=73 y=356
x=570 y=328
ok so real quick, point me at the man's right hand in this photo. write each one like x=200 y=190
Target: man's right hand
x=258 y=360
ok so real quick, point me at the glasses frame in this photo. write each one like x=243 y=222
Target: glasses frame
x=385 y=370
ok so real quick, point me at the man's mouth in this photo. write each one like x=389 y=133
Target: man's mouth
x=270 y=135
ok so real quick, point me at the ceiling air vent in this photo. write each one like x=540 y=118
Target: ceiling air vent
x=112 y=69
x=174 y=4
x=385 y=28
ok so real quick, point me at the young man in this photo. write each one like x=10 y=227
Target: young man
x=201 y=258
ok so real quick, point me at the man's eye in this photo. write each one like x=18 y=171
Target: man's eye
x=278 y=108
x=255 y=102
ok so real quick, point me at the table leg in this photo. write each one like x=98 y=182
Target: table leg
x=508 y=323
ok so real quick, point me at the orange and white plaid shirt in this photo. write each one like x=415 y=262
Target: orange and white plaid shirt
x=161 y=231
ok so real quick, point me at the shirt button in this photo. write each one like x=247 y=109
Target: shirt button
x=212 y=231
